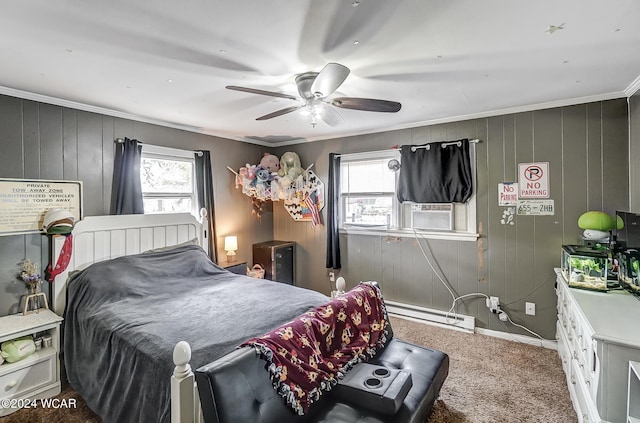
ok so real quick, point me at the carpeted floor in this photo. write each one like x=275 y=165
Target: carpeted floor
x=490 y=380
x=493 y=380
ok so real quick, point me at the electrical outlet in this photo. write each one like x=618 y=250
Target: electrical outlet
x=530 y=309
x=332 y=277
x=493 y=304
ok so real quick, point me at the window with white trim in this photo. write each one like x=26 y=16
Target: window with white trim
x=168 y=180
x=369 y=201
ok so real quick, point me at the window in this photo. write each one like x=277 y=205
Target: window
x=368 y=191
x=168 y=180
x=369 y=201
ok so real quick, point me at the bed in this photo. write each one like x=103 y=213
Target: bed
x=134 y=317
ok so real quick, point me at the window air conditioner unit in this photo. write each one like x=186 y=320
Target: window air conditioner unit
x=434 y=216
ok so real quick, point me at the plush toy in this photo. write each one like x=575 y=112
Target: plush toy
x=248 y=174
x=271 y=162
x=596 y=225
x=290 y=168
x=263 y=176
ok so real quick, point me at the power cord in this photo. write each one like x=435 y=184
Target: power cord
x=551 y=278
x=504 y=317
x=446 y=285
x=496 y=309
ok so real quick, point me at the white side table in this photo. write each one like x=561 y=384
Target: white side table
x=37 y=376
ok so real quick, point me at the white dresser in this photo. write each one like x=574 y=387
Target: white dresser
x=37 y=376
x=598 y=334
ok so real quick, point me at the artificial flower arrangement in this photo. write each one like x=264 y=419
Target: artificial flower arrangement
x=30 y=275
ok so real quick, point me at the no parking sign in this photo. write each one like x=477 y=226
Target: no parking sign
x=533 y=180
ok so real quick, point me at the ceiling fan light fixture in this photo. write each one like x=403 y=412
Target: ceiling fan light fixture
x=314 y=88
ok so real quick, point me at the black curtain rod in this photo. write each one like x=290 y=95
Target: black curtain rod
x=427 y=146
x=121 y=140
x=444 y=144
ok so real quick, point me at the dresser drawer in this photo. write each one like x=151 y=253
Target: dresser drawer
x=29 y=374
x=585 y=405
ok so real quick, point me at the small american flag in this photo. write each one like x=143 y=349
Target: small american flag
x=310 y=202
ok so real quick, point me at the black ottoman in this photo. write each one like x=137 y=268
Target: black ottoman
x=237 y=388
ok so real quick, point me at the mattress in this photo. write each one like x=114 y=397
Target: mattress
x=124 y=317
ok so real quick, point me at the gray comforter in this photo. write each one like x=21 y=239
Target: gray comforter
x=124 y=317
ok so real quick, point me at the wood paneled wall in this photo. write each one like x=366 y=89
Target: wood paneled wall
x=44 y=141
x=634 y=153
x=586 y=146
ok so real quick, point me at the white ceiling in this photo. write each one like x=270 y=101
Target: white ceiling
x=168 y=62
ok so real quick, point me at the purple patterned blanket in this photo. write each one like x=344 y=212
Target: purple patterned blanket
x=307 y=356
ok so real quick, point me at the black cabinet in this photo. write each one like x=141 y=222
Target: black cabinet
x=278 y=259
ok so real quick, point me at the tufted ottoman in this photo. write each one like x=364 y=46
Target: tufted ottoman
x=237 y=388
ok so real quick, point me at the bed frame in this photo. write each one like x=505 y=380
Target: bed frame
x=98 y=238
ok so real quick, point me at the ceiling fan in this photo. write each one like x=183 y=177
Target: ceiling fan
x=315 y=88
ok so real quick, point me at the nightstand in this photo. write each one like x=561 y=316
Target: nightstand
x=37 y=376
x=238 y=267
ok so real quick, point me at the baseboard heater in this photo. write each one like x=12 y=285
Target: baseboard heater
x=436 y=317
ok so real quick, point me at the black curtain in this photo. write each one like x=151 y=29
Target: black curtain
x=126 y=190
x=204 y=186
x=333 y=216
x=440 y=174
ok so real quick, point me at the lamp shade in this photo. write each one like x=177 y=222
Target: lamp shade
x=230 y=243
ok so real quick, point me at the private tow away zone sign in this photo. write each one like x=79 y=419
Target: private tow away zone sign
x=533 y=180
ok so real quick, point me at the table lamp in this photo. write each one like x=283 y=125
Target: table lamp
x=231 y=245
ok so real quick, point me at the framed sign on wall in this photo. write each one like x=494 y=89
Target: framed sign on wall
x=24 y=202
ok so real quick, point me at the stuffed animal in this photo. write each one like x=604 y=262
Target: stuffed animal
x=248 y=172
x=263 y=176
x=271 y=162
x=290 y=168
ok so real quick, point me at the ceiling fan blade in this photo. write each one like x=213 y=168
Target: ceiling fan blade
x=261 y=92
x=329 y=79
x=330 y=116
x=366 y=104
x=280 y=112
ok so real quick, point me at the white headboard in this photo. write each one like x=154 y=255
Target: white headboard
x=98 y=238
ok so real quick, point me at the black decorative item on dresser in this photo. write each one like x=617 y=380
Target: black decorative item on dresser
x=278 y=258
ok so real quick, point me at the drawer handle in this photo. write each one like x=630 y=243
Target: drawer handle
x=12 y=384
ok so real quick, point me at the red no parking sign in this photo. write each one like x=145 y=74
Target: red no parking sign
x=533 y=180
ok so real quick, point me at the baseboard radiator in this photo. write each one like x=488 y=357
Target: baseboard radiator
x=435 y=317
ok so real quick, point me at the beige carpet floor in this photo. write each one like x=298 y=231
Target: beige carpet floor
x=490 y=380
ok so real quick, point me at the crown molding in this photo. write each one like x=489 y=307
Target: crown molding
x=633 y=87
x=27 y=95
x=481 y=115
